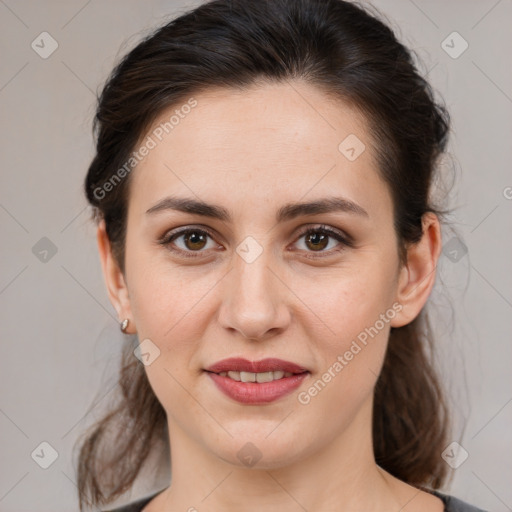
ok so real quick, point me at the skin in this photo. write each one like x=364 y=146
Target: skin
x=252 y=152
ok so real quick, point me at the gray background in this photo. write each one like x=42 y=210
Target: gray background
x=60 y=337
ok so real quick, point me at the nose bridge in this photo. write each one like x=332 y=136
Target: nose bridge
x=252 y=302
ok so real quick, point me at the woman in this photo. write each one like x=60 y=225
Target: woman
x=262 y=187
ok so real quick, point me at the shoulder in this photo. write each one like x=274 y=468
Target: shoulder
x=135 y=506
x=453 y=504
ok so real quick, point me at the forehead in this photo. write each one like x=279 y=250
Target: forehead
x=269 y=141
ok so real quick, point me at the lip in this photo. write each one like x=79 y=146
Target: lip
x=257 y=393
x=254 y=392
x=238 y=364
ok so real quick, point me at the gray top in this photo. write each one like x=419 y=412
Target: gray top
x=451 y=504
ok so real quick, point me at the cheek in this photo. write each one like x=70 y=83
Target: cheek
x=166 y=300
x=345 y=303
x=168 y=305
x=349 y=323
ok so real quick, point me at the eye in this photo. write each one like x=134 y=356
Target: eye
x=318 y=238
x=194 y=240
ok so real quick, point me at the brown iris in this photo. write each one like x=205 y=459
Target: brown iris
x=195 y=239
x=319 y=240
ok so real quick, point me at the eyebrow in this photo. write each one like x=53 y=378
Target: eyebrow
x=285 y=213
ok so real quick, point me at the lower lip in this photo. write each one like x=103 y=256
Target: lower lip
x=257 y=393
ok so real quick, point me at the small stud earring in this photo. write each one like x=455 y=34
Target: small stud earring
x=124 y=325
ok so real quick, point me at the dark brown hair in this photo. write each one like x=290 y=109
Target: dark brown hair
x=348 y=53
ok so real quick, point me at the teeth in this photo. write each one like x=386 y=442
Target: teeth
x=247 y=377
x=264 y=377
x=256 y=377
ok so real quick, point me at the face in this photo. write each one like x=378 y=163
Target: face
x=254 y=284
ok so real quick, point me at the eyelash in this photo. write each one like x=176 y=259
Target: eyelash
x=322 y=229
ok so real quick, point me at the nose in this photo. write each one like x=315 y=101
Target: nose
x=254 y=300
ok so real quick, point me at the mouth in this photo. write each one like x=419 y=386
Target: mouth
x=256 y=382
x=257 y=377
x=265 y=370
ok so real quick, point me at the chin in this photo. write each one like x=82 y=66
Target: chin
x=256 y=449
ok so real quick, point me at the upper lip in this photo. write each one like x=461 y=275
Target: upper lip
x=238 y=364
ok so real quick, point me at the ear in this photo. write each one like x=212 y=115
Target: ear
x=114 y=279
x=416 y=278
